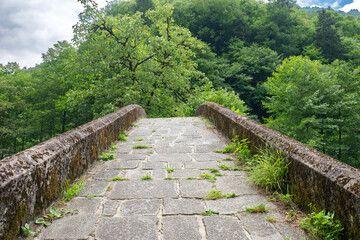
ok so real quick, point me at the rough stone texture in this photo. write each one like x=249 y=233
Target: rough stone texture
x=183 y=206
x=313 y=177
x=144 y=189
x=118 y=228
x=72 y=227
x=84 y=205
x=140 y=207
x=195 y=188
x=31 y=180
x=223 y=227
x=258 y=227
x=180 y=228
x=95 y=187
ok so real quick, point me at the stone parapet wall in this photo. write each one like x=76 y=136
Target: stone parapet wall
x=31 y=180
x=313 y=177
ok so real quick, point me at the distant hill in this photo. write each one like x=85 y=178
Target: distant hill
x=353 y=12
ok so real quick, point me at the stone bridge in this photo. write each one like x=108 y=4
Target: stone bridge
x=173 y=152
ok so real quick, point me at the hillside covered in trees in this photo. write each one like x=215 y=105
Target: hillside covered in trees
x=294 y=70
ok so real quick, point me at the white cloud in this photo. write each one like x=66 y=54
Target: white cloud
x=29 y=28
x=354 y=5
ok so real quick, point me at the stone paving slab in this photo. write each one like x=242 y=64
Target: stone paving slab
x=73 y=227
x=180 y=228
x=195 y=188
x=140 y=207
x=144 y=189
x=183 y=206
x=167 y=209
x=224 y=227
x=126 y=228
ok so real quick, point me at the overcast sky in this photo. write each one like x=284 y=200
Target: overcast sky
x=29 y=27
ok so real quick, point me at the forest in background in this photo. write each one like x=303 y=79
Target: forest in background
x=294 y=70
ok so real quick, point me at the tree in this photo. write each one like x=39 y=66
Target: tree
x=316 y=104
x=327 y=36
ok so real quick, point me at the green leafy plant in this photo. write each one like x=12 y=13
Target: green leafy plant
x=269 y=170
x=147 y=178
x=123 y=136
x=134 y=125
x=224 y=167
x=70 y=191
x=91 y=196
x=154 y=130
x=113 y=147
x=270 y=219
x=191 y=178
x=291 y=214
x=119 y=179
x=170 y=170
x=322 y=225
x=168 y=178
x=27 y=230
x=228 y=159
x=138 y=140
x=109 y=188
x=141 y=147
x=47 y=219
x=228 y=149
x=208 y=176
x=105 y=157
x=209 y=213
x=217 y=194
x=242 y=150
x=260 y=208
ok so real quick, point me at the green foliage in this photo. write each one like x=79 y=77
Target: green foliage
x=113 y=147
x=316 y=104
x=209 y=213
x=260 y=208
x=138 y=140
x=208 y=176
x=119 y=179
x=168 y=178
x=70 y=191
x=141 y=147
x=217 y=194
x=270 y=219
x=105 y=157
x=269 y=169
x=322 y=225
x=91 y=196
x=122 y=136
x=54 y=214
x=242 y=150
x=146 y=178
x=27 y=230
x=170 y=170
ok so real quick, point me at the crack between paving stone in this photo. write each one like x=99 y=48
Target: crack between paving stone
x=160 y=218
x=247 y=234
x=202 y=229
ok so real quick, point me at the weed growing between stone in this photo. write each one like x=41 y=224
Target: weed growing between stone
x=28 y=231
x=106 y=157
x=168 y=178
x=208 y=176
x=270 y=219
x=191 y=178
x=260 y=208
x=209 y=213
x=226 y=167
x=134 y=125
x=138 y=140
x=119 y=179
x=217 y=194
x=141 y=147
x=91 y=196
x=68 y=192
x=146 y=178
x=54 y=214
x=322 y=225
x=170 y=170
x=113 y=147
x=123 y=136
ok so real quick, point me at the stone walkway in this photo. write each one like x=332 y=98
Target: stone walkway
x=167 y=209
